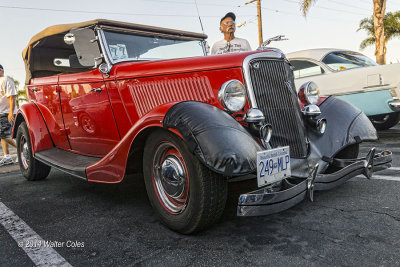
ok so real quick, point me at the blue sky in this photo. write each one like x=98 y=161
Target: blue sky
x=329 y=24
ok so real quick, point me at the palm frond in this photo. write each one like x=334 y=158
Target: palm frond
x=367 y=24
x=367 y=42
x=305 y=6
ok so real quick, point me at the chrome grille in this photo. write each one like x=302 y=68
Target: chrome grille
x=275 y=94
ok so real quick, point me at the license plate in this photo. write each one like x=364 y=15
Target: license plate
x=273 y=165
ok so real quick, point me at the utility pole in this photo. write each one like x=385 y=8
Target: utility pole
x=260 y=37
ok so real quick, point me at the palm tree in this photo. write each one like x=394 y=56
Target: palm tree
x=21 y=97
x=21 y=94
x=379 y=30
x=391 y=23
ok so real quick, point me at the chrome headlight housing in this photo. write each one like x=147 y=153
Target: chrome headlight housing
x=311 y=92
x=232 y=96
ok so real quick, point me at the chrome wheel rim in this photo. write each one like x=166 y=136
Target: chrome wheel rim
x=170 y=178
x=24 y=152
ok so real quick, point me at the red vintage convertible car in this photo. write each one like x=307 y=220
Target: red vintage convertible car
x=107 y=98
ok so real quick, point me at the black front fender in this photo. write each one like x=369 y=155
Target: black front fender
x=346 y=125
x=217 y=139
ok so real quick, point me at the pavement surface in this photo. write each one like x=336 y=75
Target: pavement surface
x=356 y=224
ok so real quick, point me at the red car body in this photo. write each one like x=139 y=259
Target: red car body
x=209 y=73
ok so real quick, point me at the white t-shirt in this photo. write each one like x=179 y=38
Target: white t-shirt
x=234 y=46
x=7 y=89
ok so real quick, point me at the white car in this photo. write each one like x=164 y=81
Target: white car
x=351 y=76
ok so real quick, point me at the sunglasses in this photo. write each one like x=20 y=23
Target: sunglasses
x=231 y=22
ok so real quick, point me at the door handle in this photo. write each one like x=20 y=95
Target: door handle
x=97 y=90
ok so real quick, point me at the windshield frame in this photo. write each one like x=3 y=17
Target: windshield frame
x=111 y=61
x=343 y=51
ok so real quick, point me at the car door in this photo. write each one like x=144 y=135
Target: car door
x=87 y=114
x=44 y=92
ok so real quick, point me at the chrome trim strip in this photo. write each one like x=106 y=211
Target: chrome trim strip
x=358 y=92
x=246 y=72
x=376 y=86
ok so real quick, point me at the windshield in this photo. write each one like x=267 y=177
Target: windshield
x=338 y=61
x=129 y=46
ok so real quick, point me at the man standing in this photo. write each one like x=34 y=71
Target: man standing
x=230 y=43
x=7 y=111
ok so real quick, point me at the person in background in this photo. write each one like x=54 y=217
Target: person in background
x=230 y=43
x=7 y=113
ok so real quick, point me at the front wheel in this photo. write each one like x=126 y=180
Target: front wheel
x=384 y=122
x=30 y=168
x=187 y=196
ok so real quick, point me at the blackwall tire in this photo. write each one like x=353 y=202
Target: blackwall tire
x=31 y=169
x=384 y=122
x=187 y=196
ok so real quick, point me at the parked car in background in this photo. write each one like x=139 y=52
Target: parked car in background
x=109 y=98
x=355 y=78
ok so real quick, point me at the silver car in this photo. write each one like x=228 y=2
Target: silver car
x=355 y=78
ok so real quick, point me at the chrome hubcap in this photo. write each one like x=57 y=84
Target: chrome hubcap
x=170 y=178
x=24 y=152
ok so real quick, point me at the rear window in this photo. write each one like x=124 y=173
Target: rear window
x=304 y=68
x=339 y=61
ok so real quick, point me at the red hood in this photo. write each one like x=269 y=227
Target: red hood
x=173 y=66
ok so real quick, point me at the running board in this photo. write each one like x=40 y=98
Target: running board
x=71 y=163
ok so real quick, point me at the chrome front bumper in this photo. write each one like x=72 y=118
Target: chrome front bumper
x=395 y=105
x=291 y=191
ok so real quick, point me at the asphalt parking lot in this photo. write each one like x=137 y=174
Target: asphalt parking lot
x=356 y=224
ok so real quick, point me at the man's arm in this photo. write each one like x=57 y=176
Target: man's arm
x=11 y=101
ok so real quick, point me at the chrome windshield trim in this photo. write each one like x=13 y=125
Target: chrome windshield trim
x=135 y=60
x=204 y=46
x=246 y=72
x=104 y=46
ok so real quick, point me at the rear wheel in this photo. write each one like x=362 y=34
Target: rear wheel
x=384 y=122
x=30 y=168
x=187 y=196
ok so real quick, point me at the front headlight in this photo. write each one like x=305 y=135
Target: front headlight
x=310 y=91
x=232 y=96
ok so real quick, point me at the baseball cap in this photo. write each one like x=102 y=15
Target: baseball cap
x=228 y=15
x=1 y=67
